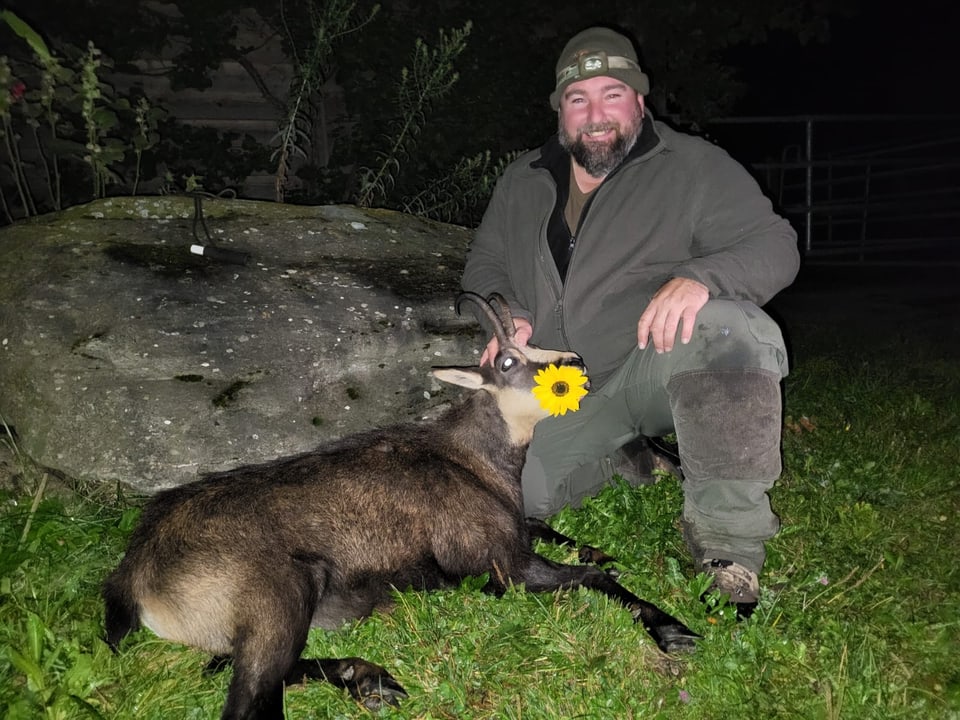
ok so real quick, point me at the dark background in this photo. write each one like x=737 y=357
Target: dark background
x=706 y=61
x=887 y=58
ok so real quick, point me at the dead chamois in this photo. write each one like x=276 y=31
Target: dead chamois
x=243 y=563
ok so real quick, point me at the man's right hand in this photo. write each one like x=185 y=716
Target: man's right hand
x=524 y=330
x=675 y=305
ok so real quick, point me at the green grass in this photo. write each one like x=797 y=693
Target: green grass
x=860 y=617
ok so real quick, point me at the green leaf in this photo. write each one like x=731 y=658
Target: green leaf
x=80 y=677
x=35 y=633
x=20 y=709
x=129 y=518
x=11 y=560
x=70 y=705
x=29 y=668
x=105 y=119
x=26 y=32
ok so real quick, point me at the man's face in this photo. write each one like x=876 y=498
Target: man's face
x=600 y=120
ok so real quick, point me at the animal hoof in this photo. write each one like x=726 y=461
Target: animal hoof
x=590 y=555
x=675 y=638
x=374 y=687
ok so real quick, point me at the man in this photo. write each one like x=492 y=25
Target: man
x=648 y=252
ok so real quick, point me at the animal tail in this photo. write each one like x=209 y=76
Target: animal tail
x=122 y=614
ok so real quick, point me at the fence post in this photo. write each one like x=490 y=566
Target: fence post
x=808 y=230
x=865 y=211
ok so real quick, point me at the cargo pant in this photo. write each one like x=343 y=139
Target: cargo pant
x=720 y=394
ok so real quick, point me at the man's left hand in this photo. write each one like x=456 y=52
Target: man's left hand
x=675 y=305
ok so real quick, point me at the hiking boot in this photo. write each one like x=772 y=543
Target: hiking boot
x=739 y=584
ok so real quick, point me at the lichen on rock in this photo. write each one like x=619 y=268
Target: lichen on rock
x=127 y=358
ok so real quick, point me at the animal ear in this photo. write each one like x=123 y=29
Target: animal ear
x=466 y=377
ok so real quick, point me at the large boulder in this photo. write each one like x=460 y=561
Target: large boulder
x=125 y=358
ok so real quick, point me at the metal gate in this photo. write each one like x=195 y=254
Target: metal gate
x=863 y=189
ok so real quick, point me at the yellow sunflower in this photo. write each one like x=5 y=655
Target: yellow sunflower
x=560 y=388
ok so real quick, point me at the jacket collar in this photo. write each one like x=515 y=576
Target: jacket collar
x=556 y=161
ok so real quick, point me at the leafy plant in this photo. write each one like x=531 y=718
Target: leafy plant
x=430 y=77
x=460 y=195
x=10 y=92
x=68 y=114
x=147 y=118
x=329 y=21
x=101 y=151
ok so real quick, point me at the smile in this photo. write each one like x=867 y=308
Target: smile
x=594 y=133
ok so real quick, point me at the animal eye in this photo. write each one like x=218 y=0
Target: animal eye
x=507 y=363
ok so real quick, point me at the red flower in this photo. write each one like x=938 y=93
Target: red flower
x=17 y=90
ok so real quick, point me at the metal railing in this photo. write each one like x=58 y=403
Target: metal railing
x=865 y=189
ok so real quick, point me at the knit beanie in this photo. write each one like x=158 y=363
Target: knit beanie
x=598 y=51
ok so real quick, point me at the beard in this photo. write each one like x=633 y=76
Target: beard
x=599 y=159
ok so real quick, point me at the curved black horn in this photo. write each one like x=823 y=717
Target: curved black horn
x=503 y=335
x=502 y=309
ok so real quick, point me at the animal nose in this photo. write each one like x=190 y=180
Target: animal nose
x=578 y=363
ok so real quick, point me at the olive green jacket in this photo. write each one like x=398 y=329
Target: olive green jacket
x=678 y=206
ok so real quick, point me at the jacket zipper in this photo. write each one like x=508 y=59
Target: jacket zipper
x=558 y=308
x=561 y=326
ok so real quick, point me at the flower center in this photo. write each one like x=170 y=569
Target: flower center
x=560 y=388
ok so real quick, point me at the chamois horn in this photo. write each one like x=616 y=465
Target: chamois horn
x=502 y=326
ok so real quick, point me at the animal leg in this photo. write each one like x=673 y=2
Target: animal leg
x=368 y=683
x=271 y=633
x=539 y=530
x=543 y=575
x=260 y=664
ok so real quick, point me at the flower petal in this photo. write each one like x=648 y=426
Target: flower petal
x=560 y=389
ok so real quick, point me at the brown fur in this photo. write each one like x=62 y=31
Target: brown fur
x=244 y=562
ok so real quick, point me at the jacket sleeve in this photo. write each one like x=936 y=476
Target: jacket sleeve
x=742 y=249
x=486 y=268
